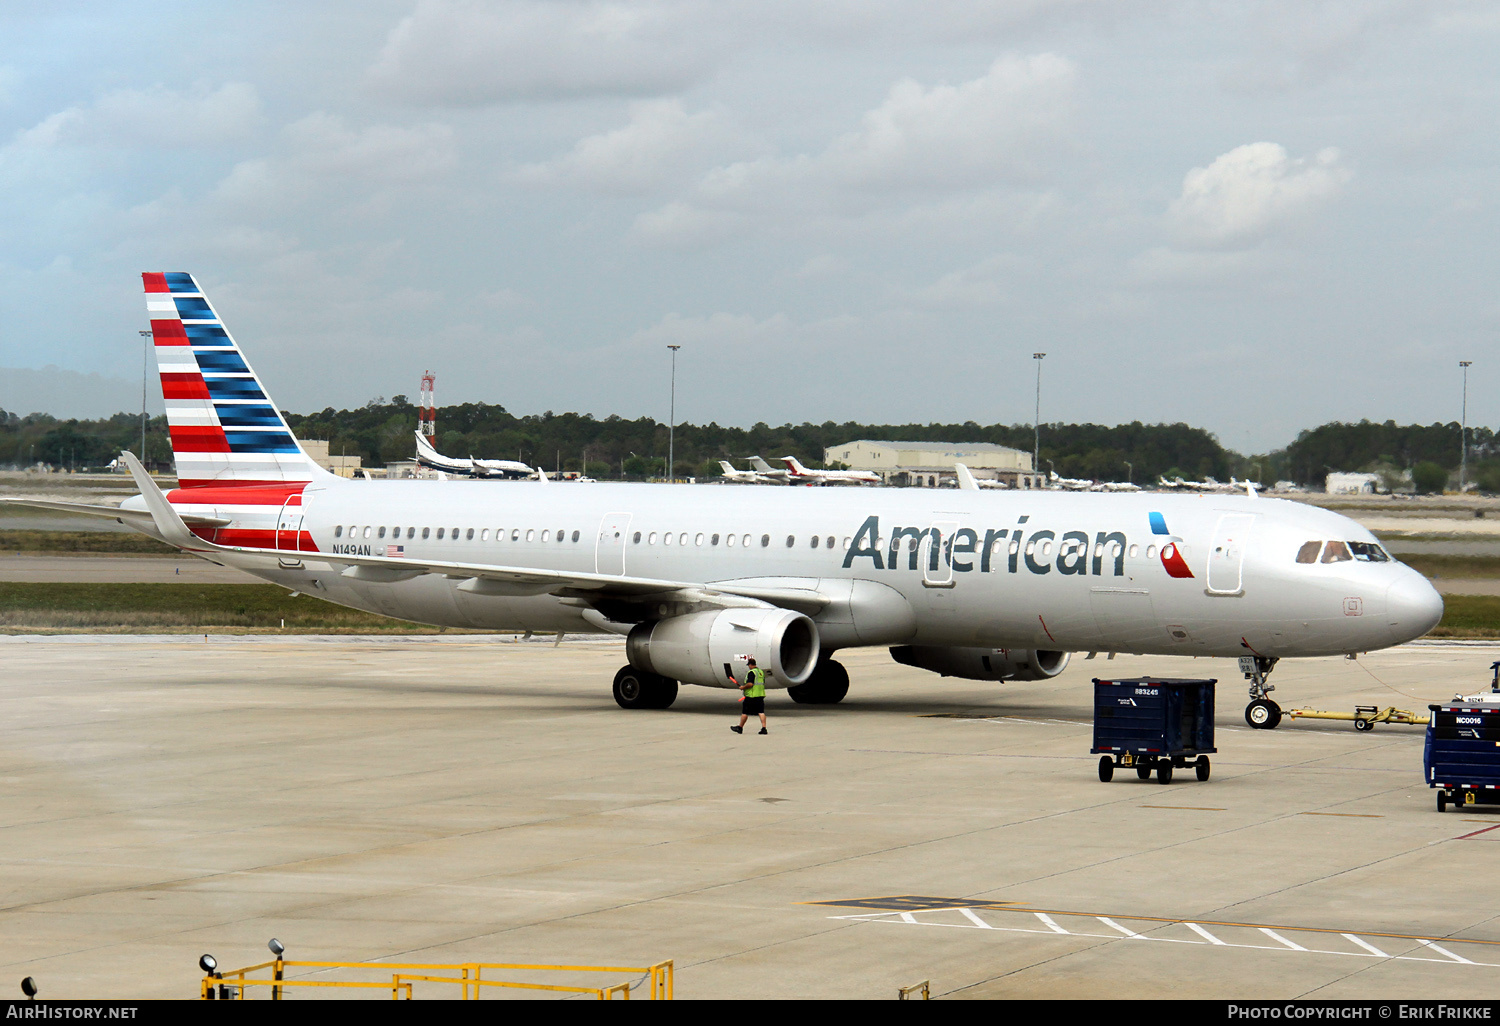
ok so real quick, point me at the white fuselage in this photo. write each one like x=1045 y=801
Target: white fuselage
x=1063 y=571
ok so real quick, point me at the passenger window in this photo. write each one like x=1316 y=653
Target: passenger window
x=531 y=534
x=790 y=541
x=575 y=535
x=561 y=535
x=1135 y=550
x=745 y=541
x=440 y=534
x=698 y=540
x=729 y=540
x=637 y=538
x=411 y=532
x=1336 y=552
x=453 y=533
x=815 y=540
x=714 y=540
x=426 y=531
x=1150 y=551
x=829 y=543
x=515 y=534
x=484 y=535
x=651 y=538
x=380 y=533
x=367 y=532
x=546 y=536
x=666 y=539
x=846 y=543
x=395 y=532
x=1308 y=553
x=682 y=538
x=338 y=532
x=469 y=534
x=765 y=541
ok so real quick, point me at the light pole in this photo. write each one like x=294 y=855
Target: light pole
x=1463 y=431
x=1129 y=472
x=145 y=378
x=672 y=427
x=1036 y=424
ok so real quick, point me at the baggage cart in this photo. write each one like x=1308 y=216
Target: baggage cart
x=1461 y=759
x=1153 y=724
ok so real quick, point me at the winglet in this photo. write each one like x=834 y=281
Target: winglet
x=168 y=524
x=966 y=482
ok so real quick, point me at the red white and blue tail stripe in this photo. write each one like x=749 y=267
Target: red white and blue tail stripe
x=225 y=429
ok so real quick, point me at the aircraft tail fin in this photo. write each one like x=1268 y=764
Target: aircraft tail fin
x=794 y=465
x=966 y=482
x=761 y=465
x=225 y=430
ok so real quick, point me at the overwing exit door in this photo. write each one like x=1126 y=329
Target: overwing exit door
x=609 y=550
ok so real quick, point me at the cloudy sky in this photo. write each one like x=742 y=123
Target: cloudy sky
x=1253 y=217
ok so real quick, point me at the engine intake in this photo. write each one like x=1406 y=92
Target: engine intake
x=695 y=648
x=983 y=663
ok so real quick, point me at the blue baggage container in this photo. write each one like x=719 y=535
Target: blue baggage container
x=1462 y=756
x=1153 y=724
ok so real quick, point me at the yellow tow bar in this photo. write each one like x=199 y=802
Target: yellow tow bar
x=1364 y=716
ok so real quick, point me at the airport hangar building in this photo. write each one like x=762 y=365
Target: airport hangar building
x=930 y=464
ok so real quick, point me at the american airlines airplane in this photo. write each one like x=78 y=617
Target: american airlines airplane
x=982 y=585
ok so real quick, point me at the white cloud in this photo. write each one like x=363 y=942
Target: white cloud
x=1000 y=129
x=661 y=143
x=153 y=117
x=986 y=283
x=467 y=52
x=1251 y=190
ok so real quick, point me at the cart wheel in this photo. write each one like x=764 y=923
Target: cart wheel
x=1202 y=767
x=1143 y=770
x=1106 y=768
x=1364 y=724
x=1164 y=771
x=1442 y=801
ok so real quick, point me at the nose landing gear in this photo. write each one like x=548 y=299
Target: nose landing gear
x=1262 y=713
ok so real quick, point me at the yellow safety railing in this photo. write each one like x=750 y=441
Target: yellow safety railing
x=469 y=976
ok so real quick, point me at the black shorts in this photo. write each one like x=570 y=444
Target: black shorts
x=753 y=706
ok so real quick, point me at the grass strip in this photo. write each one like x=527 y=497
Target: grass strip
x=1439 y=567
x=131 y=608
x=82 y=542
x=1469 y=616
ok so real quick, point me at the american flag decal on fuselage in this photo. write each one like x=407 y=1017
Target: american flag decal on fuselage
x=225 y=429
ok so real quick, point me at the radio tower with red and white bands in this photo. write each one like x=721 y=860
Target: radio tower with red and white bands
x=427 y=417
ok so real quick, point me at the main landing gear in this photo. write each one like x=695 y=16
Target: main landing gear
x=637 y=689
x=828 y=685
x=1261 y=713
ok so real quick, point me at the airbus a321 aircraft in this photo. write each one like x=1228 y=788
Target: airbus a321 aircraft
x=983 y=585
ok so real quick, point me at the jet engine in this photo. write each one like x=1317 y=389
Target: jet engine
x=983 y=663
x=696 y=648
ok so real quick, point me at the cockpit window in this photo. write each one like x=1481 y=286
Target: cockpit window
x=1308 y=553
x=1336 y=552
x=1369 y=552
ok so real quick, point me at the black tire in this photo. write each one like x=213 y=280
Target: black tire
x=637 y=689
x=1263 y=714
x=1201 y=767
x=1106 y=768
x=1143 y=770
x=1164 y=771
x=1442 y=801
x=828 y=685
x=1364 y=725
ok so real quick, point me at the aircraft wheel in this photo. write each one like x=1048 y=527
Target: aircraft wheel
x=1202 y=767
x=1164 y=771
x=637 y=689
x=1263 y=714
x=828 y=685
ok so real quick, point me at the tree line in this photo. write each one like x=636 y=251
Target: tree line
x=613 y=447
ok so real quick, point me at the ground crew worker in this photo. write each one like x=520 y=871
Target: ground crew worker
x=754 y=702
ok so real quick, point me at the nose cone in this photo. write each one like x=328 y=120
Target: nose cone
x=1414 y=607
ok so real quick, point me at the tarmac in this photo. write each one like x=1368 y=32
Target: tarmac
x=476 y=799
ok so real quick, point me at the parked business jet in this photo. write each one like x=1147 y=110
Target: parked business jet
x=728 y=473
x=801 y=475
x=779 y=475
x=427 y=456
x=985 y=586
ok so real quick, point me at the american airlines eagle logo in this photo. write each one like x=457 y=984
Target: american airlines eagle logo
x=1171 y=551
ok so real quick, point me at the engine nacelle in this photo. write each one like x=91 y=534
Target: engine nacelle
x=695 y=648
x=983 y=663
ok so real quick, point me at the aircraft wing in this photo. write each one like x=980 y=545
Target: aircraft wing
x=599 y=590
